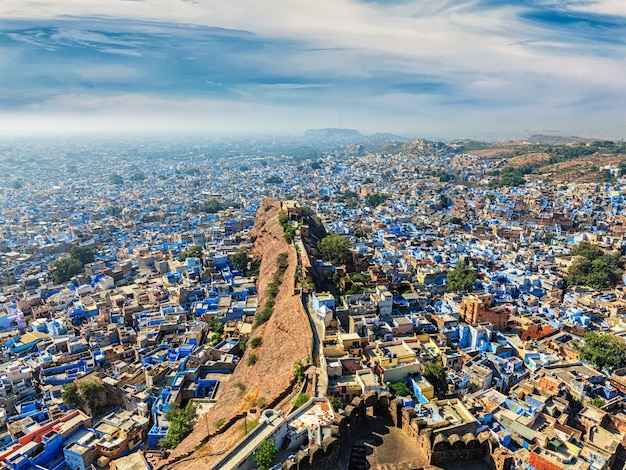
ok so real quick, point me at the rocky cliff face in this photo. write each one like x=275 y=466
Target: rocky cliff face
x=286 y=338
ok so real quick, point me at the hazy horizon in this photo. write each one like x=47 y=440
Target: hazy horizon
x=483 y=69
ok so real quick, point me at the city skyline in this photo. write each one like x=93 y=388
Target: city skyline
x=484 y=68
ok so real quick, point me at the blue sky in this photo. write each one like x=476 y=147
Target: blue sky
x=480 y=68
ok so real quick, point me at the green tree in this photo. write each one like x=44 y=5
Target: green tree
x=603 y=351
x=594 y=268
x=213 y=324
x=462 y=277
x=301 y=399
x=63 y=269
x=436 y=374
x=83 y=254
x=444 y=176
x=181 y=422
x=577 y=271
x=211 y=206
x=614 y=261
x=335 y=402
x=114 y=211
x=239 y=259
x=290 y=234
x=252 y=359
x=116 y=178
x=283 y=219
x=194 y=251
x=375 y=199
x=216 y=338
x=89 y=396
x=299 y=370
x=265 y=454
x=93 y=394
x=597 y=402
x=335 y=249
x=71 y=396
x=137 y=176
x=597 y=278
x=274 y=179
x=399 y=389
x=588 y=250
x=510 y=176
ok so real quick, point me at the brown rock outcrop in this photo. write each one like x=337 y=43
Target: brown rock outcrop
x=286 y=339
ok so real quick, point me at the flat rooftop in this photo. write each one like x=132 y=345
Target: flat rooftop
x=319 y=414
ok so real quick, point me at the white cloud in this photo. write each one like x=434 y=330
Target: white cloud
x=603 y=7
x=490 y=56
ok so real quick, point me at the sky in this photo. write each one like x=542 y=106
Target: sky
x=423 y=68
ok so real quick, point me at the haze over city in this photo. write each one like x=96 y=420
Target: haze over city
x=324 y=235
x=484 y=68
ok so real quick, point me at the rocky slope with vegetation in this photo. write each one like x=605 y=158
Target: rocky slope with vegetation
x=266 y=370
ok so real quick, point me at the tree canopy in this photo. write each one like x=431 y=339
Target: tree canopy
x=593 y=267
x=182 y=421
x=116 y=179
x=274 y=179
x=597 y=401
x=83 y=254
x=436 y=374
x=375 y=199
x=603 y=351
x=335 y=249
x=137 y=176
x=512 y=176
x=444 y=176
x=301 y=399
x=588 y=250
x=212 y=206
x=88 y=396
x=265 y=454
x=194 y=251
x=461 y=277
x=63 y=269
x=399 y=389
x=240 y=260
x=71 y=397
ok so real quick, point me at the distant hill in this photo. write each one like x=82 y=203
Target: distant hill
x=387 y=137
x=557 y=139
x=333 y=132
x=421 y=146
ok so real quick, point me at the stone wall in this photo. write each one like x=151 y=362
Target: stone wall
x=438 y=446
x=316 y=457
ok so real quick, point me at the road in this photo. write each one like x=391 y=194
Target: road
x=318 y=334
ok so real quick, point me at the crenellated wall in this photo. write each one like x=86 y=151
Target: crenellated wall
x=450 y=443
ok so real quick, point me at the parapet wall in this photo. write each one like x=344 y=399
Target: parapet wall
x=437 y=445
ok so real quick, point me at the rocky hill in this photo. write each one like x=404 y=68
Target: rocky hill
x=286 y=338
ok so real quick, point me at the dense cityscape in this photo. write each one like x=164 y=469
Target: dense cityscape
x=326 y=301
